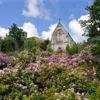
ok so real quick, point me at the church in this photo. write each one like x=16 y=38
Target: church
x=61 y=38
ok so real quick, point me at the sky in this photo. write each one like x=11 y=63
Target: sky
x=40 y=17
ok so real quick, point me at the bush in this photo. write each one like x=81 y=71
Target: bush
x=73 y=49
x=48 y=79
x=50 y=49
x=7 y=45
x=96 y=50
x=4 y=60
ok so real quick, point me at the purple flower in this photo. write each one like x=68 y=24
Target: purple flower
x=6 y=69
x=24 y=87
x=2 y=72
x=75 y=64
x=34 y=66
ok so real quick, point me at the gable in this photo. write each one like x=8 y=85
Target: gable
x=60 y=37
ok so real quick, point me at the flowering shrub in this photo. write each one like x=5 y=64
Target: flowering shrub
x=4 y=60
x=27 y=57
x=50 y=77
x=65 y=61
x=87 y=50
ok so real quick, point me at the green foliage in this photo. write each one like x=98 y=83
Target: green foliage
x=28 y=56
x=33 y=50
x=17 y=40
x=14 y=40
x=96 y=50
x=98 y=71
x=33 y=42
x=73 y=49
x=49 y=49
x=49 y=94
x=95 y=40
x=44 y=45
x=18 y=35
x=7 y=45
x=49 y=82
x=92 y=26
x=93 y=23
x=3 y=88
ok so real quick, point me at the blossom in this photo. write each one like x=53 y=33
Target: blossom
x=15 y=70
x=2 y=72
x=57 y=94
x=22 y=87
x=72 y=90
x=4 y=59
x=63 y=60
x=78 y=96
x=86 y=98
x=6 y=69
x=33 y=66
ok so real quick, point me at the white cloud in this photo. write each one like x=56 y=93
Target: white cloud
x=47 y=34
x=84 y=17
x=27 y=27
x=30 y=29
x=36 y=8
x=3 y=32
x=77 y=30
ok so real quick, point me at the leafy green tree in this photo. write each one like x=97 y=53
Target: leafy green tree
x=92 y=26
x=18 y=35
x=7 y=45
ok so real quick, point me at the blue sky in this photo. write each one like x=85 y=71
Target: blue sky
x=39 y=17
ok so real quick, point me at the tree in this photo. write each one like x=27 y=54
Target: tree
x=33 y=42
x=92 y=25
x=18 y=35
x=45 y=44
x=7 y=45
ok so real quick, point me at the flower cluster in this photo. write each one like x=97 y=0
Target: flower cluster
x=65 y=61
x=22 y=87
x=4 y=59
x=12 y=71
x=33 y=67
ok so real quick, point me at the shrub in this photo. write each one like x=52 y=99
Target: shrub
x=96 y=50
x=4 y=60
x=50 y=49
x=73 y=49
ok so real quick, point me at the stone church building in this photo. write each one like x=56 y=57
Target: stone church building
x=61 y=38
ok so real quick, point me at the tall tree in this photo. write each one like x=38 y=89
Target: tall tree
x=92 y=26
x=18 y=36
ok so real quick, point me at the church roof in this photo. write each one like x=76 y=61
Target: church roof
x=60 y=26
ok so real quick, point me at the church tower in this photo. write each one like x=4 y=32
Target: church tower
x=61 y=38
